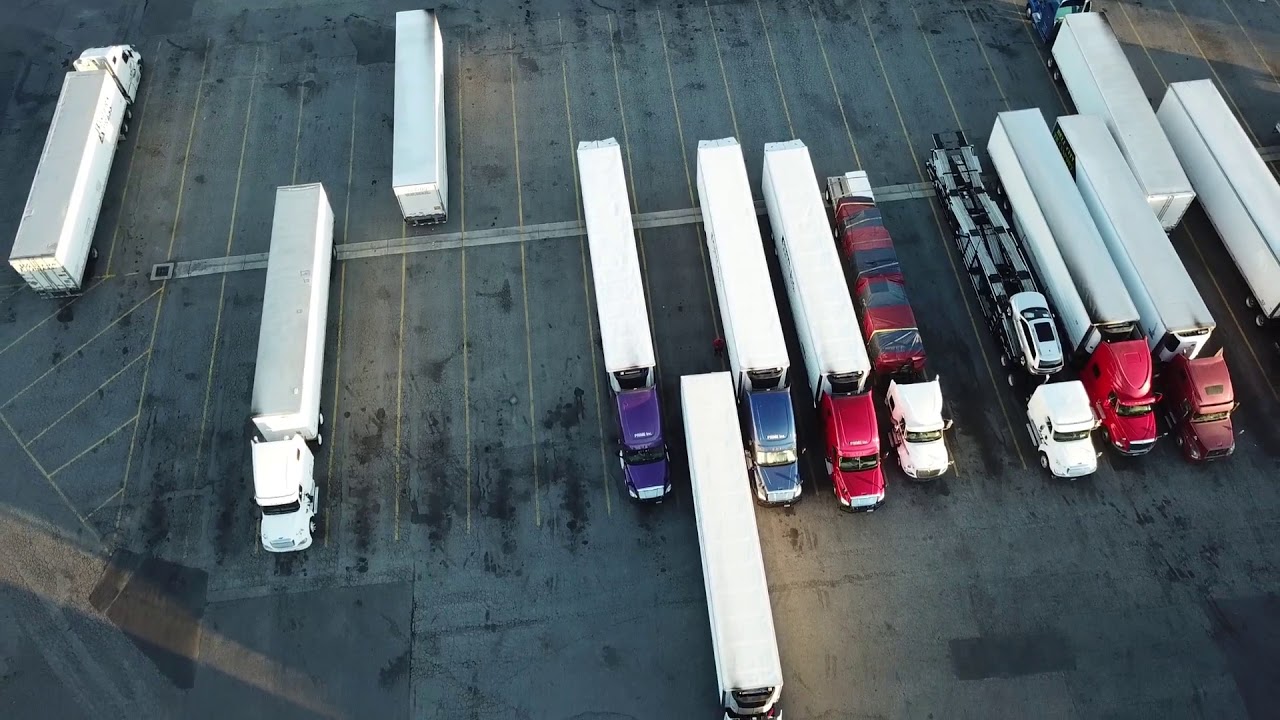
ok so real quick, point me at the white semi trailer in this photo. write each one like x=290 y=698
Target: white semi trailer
x=419 y=173
x=748 y=667
x=1101 y=81
x=285 y=408
x=1235 y=187
x=1174 y=317
x=55 y=236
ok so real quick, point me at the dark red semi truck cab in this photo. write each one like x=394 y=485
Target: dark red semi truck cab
x=1117 y=377
x=853 y=452
x=1198 y=402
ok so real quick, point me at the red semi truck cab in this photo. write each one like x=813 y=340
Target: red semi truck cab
x=1118 y=379
x=1198 y=402
x=853 y=450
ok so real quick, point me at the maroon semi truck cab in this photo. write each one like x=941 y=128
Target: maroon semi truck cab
x=1198 y=402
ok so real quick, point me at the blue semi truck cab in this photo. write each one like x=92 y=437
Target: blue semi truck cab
x=769 y=428
x=1047 y=15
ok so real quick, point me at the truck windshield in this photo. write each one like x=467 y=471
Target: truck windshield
x=772 y=458
x=1211 y=416
x=858 y=463
x=284 y=509
x=924 y=437
x=643 y=457
x=1137 y=410
x=1062 y=437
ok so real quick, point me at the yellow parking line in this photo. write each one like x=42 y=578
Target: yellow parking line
x=822 y=46
x=937 y=70
x=773 y=58
x=462 y=234
x=83 y=345
x=1043 y=53
x=128 y=173
x=1221 y=85
x=50 y=316
x=94 y=446
x=1263 y=60
x=297 y=135
x=49 y=479
x=404 y=277
x=582 y=249
x=222 y=288
x=87 y=398
x=186 y=156
x=1013 y=436
x=524 y=284
x=715 y=40
x=104 y=503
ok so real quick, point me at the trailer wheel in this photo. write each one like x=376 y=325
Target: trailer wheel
x=1004 y=360
x=1044 y=461
x=1029 y=13
x=1057 y=76
x=1250 y=301
x=1260 y=320
x=93 y=253
x=1177 y=439
x=1050 y=62
x=1010 y=378
x=319 y=440
x=128 y=114
x=321 y=419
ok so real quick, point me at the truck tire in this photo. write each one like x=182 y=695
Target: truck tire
x=313 y=526
x=1029 y=10
x=1044 y=461
x=1004 y=360
x=1057 y=76
x=1250 y=302
x=321 y=419
x=1260 y=320
x=1009 y=377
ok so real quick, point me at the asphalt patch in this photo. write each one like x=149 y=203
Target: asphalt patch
x=1247 y=631
x=1009 y=656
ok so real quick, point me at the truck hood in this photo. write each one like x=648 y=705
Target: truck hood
x=1215 y=435
x=1072 y=459
x=779 y=478
x=861 y=484
x=775 y=424
x=640 y=418
x=1136 y=429
x=930 y=456
x=647 y=477
x=286 y=533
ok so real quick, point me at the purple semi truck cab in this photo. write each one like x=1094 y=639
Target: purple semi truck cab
x=642 y=449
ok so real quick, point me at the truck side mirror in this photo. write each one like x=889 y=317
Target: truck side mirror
x=947 y=423
x=1235 y=406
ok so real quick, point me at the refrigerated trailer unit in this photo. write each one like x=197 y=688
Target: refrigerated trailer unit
x=749 y=317
x=285 y=407
x=625 y=337
x=1235 y=187
x=1096 y=72
x=743 y=641
x=419 y=172
x=835 y=359
x=54 y=242
x=1015 y=310
x=1174 y=317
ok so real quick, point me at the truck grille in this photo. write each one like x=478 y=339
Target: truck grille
x=282 y=543
x=923 y=474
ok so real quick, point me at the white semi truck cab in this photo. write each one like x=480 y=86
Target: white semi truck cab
x=1061 y=422
x=285 y=489
x=917 y=426
x=122 y=63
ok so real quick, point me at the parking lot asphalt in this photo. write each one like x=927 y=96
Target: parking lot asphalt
x=478 y=557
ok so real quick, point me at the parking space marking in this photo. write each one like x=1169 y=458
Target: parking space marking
x=1256 y=51
x=82 y=346
x=50 y=316
x=462 y=236
x=826 y=60
x=222 y=288
x=128 y=173
x=87 y=398
x=688 y=176
x=49 y=479
x=582 y=247
x=399 y=476
x=1043 y=52
x=928 y=47
x=933 y=210
x=1004 y=98
x=94 y=446
x=297 y=135
x=715 y=40
x=524 y=281
x=773 y=59
x=1221 y=85
x=155 y=323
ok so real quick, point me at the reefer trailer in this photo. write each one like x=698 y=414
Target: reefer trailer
x=1096 y=72
x=834 y=357
x=624 y=320
x=55 y=236
x=749 y=316
x=1235 y=187
x=1174 y=317
x=743 y=641
x=285 y=408
x=419 y=174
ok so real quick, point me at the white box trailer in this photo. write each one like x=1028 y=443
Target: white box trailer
x=748 y=667
x=55 y=236
x=1101 y=81
x=1058 y=235
x=419 y=171
x=285 y=407
x=1235 y=187
x=834 y=354
x=1174 y=317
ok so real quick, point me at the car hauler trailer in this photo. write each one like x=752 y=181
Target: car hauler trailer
x=1096 y=72
x=624 y=320
x=743 y=641
x=889 y=327
x=752 y=330
x=54 y=242
x=1015 y=310
x=1174 y=317
x=835 y=359
x=1099 y=320
x=419 y=173
x=285 y=409
x=1235 y=187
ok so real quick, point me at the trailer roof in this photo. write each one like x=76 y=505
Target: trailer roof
x=58 y=185
x=1232 y=149
x=419 y=99
x=733 y=231
x=741 y=616
x=1098 y=283
x=615 y=264
x=1142 y=243
x=1129 y=113
x=807 y=240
